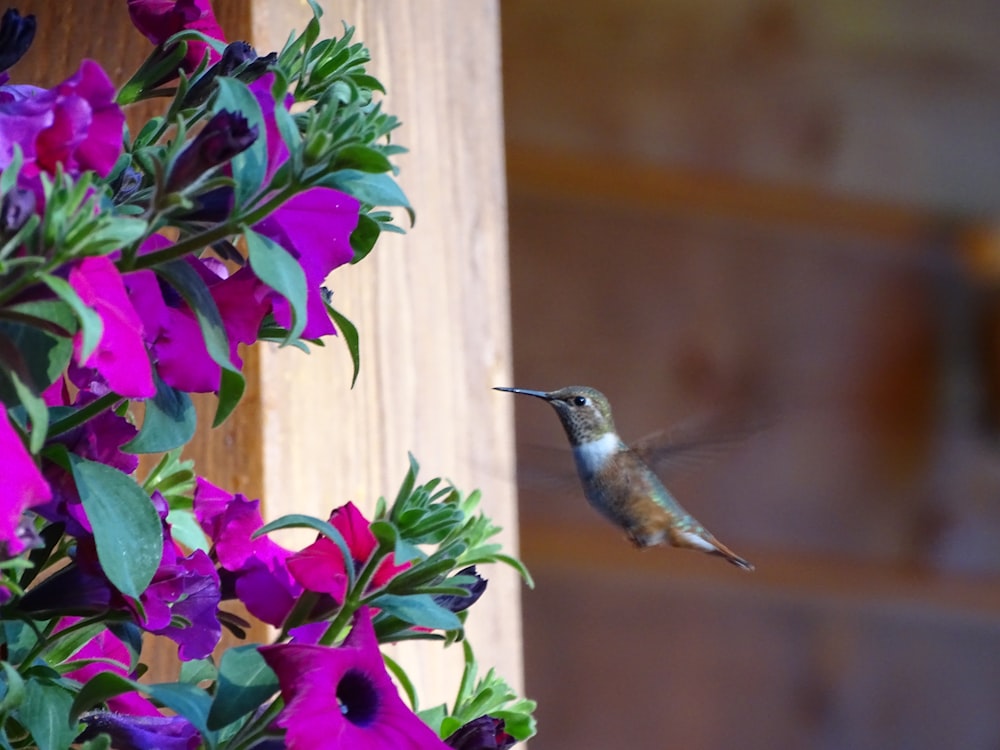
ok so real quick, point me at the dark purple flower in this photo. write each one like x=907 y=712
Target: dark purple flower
x=343 y=698
x=120 y=356
x=158 y=20
x=223 y=137
x=21 y=487
x=16 y=34
x=141 y=732
x=77 y=124
x=462 y=603
x=239 y=60
x=484 y=733
x=15 y=210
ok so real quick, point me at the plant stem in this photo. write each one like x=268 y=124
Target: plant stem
x=83 y=414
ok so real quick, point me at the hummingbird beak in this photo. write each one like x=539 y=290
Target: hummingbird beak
x=537 y=394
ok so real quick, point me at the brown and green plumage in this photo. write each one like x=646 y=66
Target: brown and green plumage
x=618 y=483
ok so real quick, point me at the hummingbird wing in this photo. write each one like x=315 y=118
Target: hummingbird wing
x=694 y=443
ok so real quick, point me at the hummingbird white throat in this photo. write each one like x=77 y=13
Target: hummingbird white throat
x=618 y=482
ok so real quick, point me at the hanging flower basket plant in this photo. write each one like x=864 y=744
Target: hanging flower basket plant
x=133 y=263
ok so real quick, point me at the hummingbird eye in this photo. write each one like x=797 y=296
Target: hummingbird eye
x=580 y=401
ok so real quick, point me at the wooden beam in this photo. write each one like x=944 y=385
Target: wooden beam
x=653 y=187
x=780 y=575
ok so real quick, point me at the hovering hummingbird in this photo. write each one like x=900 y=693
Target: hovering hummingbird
x=618 y=482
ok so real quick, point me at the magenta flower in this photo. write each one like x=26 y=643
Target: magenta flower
x=21 y=487
x=172 y=333
x=116 y=659
x=320 y=566
x=120 y=356
x=158 y=20
x=343 y=698
x=315 y=226
x=77 y=124
x=253 y=570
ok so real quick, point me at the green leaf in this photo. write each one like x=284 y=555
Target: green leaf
x=34 y=406
x=8 y=178
x=362 y=158
x=184 y=528
x=198 y=670
x=245 y=682
x=195 y=292
x=276 y=267
x=169 y=421
x=127 y=529
x=43 y=332
x=90 y=322
x=231 y=389
x=417 y=609
x=97 y=690
x=189 y=701
x=373 y=189
x=250 y=165
x=43 y=713
x=364 y=237
x=350 y=335
x=13 y=689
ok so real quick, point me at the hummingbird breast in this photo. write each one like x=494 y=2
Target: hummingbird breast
x=624 y=490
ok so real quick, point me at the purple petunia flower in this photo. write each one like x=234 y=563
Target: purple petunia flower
x=21 y=487
x=158 y=20
x=253 y=570
x=343 y=698
x=76 y=123
x=120 y=356
x=129 y=732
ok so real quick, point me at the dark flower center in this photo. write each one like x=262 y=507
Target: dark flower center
x=358 y=698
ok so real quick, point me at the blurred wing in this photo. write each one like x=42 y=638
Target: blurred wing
x=696 y=443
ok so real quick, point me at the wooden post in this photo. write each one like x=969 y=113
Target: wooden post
x=432 y=307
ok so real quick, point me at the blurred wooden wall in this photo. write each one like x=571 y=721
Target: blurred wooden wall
x=781 y=208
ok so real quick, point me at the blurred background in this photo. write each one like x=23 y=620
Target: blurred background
x=789 y=208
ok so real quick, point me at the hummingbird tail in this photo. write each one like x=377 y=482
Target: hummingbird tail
x=708 y=543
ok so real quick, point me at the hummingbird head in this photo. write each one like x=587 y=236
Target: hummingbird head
x=584 y=412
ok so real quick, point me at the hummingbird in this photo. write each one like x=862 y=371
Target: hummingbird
x=618 y=482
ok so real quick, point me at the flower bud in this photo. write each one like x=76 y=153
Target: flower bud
x=16 y=34
x=15 y=209
x=223 y=137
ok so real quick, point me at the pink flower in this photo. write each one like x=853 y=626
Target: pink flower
x=343 y=698
x=158 y=20
x=120 y=356
x=77 y=124
x=320 y=566
x=21 y=486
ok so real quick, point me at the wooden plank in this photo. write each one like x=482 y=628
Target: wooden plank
x=432 y=309
x=651 y=187
x=801 y=579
